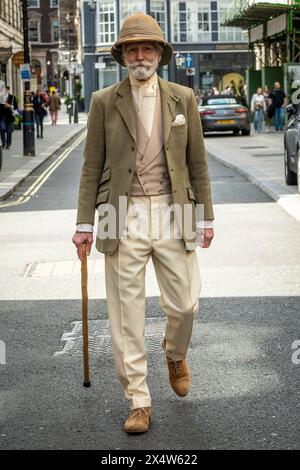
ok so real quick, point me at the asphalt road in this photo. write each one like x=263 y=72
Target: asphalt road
x=245 y=387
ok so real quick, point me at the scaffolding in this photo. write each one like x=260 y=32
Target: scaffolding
x=274 y=40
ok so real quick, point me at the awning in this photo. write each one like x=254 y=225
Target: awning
x=255 y=14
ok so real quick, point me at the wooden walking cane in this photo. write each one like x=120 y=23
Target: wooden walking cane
x=85 y=331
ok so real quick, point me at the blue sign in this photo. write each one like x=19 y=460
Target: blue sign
x=188 y=60
x=25 y=75
x=25 y=72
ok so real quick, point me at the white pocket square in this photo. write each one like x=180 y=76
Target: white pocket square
x=179 y=120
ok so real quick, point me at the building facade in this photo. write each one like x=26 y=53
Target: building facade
x=54 y=35
x=69 y=51
x=215 y=55
x=11 y=44
x=43 y=37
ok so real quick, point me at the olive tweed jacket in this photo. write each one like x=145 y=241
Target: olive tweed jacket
x=110 y=156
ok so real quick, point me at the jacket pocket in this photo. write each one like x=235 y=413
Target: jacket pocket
x=102 y=197
x=179 y=129
x=105 y=176
x=191 y=195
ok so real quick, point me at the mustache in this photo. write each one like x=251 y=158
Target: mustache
x=144 y=63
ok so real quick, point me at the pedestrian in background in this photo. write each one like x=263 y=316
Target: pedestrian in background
x=39 y=106
x=7 y=117
x=258 y=107
x=277 y=102
x=54 y=106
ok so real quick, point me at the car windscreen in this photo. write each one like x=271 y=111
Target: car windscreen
x=218 y=101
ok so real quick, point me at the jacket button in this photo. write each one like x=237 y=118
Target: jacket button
x=171 y=169
x=175 y=191
x=129 y=170
x=126 y=194
x=133 y=148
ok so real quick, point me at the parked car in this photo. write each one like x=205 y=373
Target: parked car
x=224 y=113
x=291 y=146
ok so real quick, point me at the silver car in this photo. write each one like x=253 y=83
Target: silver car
x=291 y=146
x=224 y=113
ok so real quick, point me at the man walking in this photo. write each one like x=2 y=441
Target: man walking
x=145 y=145
x=277 y=102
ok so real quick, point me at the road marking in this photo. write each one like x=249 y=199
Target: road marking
x=33 y=189
x=62 y=268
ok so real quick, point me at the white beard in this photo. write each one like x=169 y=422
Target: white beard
x=144 y=71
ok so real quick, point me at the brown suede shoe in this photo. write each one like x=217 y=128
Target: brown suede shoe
x=138 y=420
x=179 y=375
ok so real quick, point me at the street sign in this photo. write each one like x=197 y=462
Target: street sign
x=190 y=70
x=25 y=72
x=188 y=60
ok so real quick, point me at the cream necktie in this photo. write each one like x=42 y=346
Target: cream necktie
x=146 y=97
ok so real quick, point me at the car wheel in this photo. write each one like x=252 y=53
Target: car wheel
x=246 y=131
x=290 y=177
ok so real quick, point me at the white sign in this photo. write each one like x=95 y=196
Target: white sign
x=100 y=65
x=25 y=72
x=190 y=71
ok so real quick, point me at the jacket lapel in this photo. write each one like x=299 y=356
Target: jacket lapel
x=124 y=104
x=169 y=101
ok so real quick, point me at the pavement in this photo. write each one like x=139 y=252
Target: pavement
x=16 y=168
x=259 y=157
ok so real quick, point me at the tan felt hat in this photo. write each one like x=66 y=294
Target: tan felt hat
x=138 y=28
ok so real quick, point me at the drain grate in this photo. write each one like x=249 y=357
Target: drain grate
x=100 y=340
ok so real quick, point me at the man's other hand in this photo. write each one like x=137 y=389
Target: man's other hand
x=204 y=237
x=79 y=239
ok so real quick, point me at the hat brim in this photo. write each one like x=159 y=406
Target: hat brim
x=116 y=50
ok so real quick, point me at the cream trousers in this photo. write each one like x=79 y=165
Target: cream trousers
x=178 y=277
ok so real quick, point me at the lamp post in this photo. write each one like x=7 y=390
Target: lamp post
x=28 y=125
x=75 y=95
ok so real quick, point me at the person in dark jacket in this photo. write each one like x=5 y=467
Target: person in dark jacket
x=39 y=106
x=7 y=118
